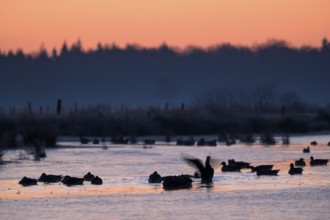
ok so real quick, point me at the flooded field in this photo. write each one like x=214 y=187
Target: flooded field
x=126 y=194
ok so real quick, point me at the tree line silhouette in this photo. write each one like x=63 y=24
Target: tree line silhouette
x=133 y=91
x=224 y=90
x=141 y=76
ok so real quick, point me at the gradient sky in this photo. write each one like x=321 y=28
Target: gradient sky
x=27 y=24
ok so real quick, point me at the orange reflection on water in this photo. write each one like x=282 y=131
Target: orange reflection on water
x=10 y=189
x=246 y=180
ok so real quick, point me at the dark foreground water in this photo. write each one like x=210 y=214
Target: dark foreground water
x=126 y=194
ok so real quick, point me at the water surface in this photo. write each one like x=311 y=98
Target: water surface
x=126 y=193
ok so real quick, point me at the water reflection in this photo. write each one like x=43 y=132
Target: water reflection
x=125 y=169
x=208 y=186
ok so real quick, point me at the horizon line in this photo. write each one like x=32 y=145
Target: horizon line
x=109 y=45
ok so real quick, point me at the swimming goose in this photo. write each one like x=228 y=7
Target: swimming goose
x=240 y=164
x=25 y=181
x=71 y=181
x=89 y=177
x=293 y=170
x=97 y=181
x=155 y=178
x=306 y=150
x=49 y=178
x=300 y=162
x=316 y=162
x=267 y=172
x=314 y=143
x=84 y=140
x=230 y=168
x=260 y=168
x=177 y=182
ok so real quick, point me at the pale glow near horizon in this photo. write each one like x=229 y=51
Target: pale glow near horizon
x=29 y=24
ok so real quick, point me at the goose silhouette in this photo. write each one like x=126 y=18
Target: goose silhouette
x=206 y=171
x=72 y=181
x=155 y=178
x=314 y=143
x=84 y=140
x=25 y=181
x=293 y=170
x=267 y=172
x=317 y=162
x=240 y=164
x=49 y=178
x=230 y=167
x=177 y=182
x=89 y=177
x=261 y=168
x=97 y=181
x=300 y=162
x=306 y=150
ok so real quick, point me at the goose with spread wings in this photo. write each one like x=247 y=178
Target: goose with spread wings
x=206 y=171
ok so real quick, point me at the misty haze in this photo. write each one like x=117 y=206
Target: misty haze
x=137 y=76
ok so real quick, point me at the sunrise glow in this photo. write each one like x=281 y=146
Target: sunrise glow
x=30 y=24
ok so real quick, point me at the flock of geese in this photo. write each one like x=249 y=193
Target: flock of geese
x=206 y=172
x=66 y=180
x=203 y=171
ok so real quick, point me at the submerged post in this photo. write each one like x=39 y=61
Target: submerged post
x=166 y=106
x=75 y=107
x=283 y=110
x=182 y=106
x=30 y=108
x=59 y=106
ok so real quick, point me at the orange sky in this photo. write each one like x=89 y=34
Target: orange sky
x=27 y=24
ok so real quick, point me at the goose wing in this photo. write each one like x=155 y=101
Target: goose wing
x=194 y=162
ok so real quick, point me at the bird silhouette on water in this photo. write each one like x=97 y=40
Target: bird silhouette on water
x=261 y=167
x=267 y=172
x=239 y=164
x=72 y=181
x=317 y=162
x=89 y=177
x=177 y=182
x=300 y=162
x=294 y=170
x=306 y=150
x=314 y=143
x=48 y=178
x=155 y=178
x=206 y=170
x=25 y=181
x=230 y=167
x=97 y=181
